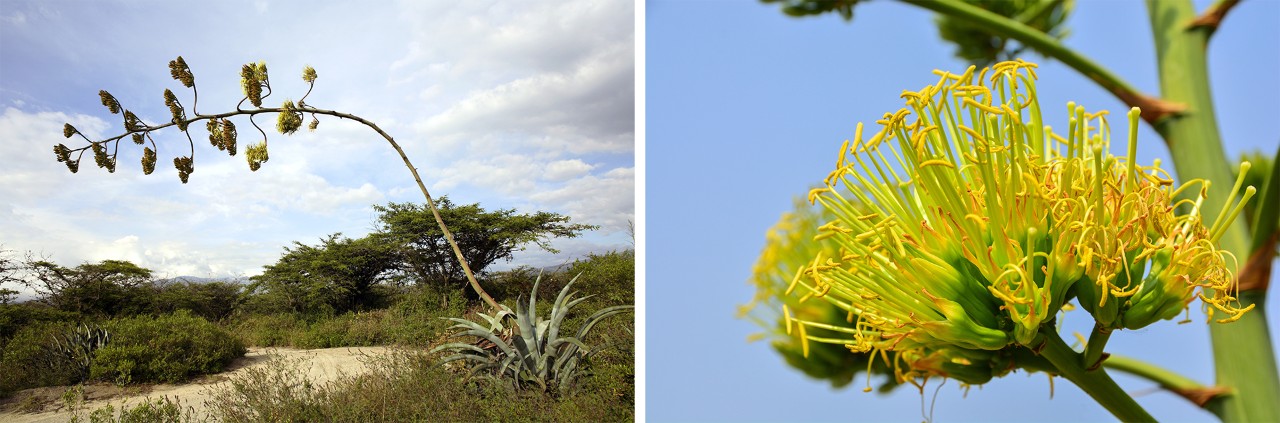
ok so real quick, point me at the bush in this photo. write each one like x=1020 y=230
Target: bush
x=610 y=276
x=347 y=330
x=268 y=330
x=213 y=301
x=26 y=361
x=172 y=348
x=14 y=317
x=163 y=409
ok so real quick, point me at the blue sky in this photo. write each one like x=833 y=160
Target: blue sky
x=527 y=106
x=745 y=110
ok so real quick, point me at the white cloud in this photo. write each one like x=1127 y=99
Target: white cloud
x=595 y=199
x=525 y=105
x=563 y=170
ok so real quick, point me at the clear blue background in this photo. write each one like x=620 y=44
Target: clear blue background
x=746 y=108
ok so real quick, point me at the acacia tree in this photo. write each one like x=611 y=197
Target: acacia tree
x=109 y=287
x=1183 y=115
x=485 y=237
x=256 y=85
x=338 y=273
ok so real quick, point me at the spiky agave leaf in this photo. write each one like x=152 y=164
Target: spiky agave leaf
x=536 y=354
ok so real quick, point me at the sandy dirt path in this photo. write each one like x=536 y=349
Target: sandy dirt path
x=323 y=365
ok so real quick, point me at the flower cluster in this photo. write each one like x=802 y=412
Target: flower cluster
x=289 y=119
x=179 y=71
x=253 y=79
x=964 y=224
x=222 y=134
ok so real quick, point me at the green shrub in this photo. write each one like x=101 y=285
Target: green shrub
x=213 y=301
x=26 y=362
x=172 y=348
x=14 y=317
x=611 y=277
x=163 y=409
x=348 y=330
x=268 y=330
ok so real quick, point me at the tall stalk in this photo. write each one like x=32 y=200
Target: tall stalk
x=1243 y=358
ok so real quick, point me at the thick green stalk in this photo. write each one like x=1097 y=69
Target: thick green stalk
x=1096 y=383
x=1243 y=357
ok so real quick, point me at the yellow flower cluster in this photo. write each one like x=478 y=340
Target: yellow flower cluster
x=965 y=224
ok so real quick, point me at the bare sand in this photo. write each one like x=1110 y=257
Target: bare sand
x=322 y=366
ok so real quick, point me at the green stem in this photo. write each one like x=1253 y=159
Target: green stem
x=1165 y=377
x=1177 y=384
x=1093 y=349
x=1243 y=357
x=1096 y=383
x=1152 y=109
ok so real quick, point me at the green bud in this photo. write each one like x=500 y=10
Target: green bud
x=68 y=130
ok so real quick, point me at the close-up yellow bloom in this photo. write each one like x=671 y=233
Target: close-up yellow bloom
x=960 y=229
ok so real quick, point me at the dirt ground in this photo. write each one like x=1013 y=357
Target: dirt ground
x=324 y=364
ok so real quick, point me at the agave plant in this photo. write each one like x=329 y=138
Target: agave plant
x=532 y=352
x=74 y=349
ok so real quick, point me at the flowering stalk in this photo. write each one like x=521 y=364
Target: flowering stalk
x=256 y=85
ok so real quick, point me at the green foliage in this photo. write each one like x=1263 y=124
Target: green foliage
x=977 y=45
x=336 y=276
x=974 y=42
x=611 y=276
x=26 y=360
x=484 y=237
x=800 y=8
x=14 y=317
x=74 y=349
x=532 y=353
x=347 y=330
x=163 y=409
x=172 y=348
x=268 y=330
x=107 y=288
x=212 y=300
x=510 y=284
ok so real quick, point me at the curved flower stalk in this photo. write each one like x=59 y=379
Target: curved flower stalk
x=256 y=85
x=959 y=234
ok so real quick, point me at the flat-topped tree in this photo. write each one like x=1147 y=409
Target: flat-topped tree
x=222 y=134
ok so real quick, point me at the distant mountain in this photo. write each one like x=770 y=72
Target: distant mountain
x=196 y=279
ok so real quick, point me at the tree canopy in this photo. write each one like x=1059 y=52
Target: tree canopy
x=407 y=247
x=485 y=237
x=337 y=274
